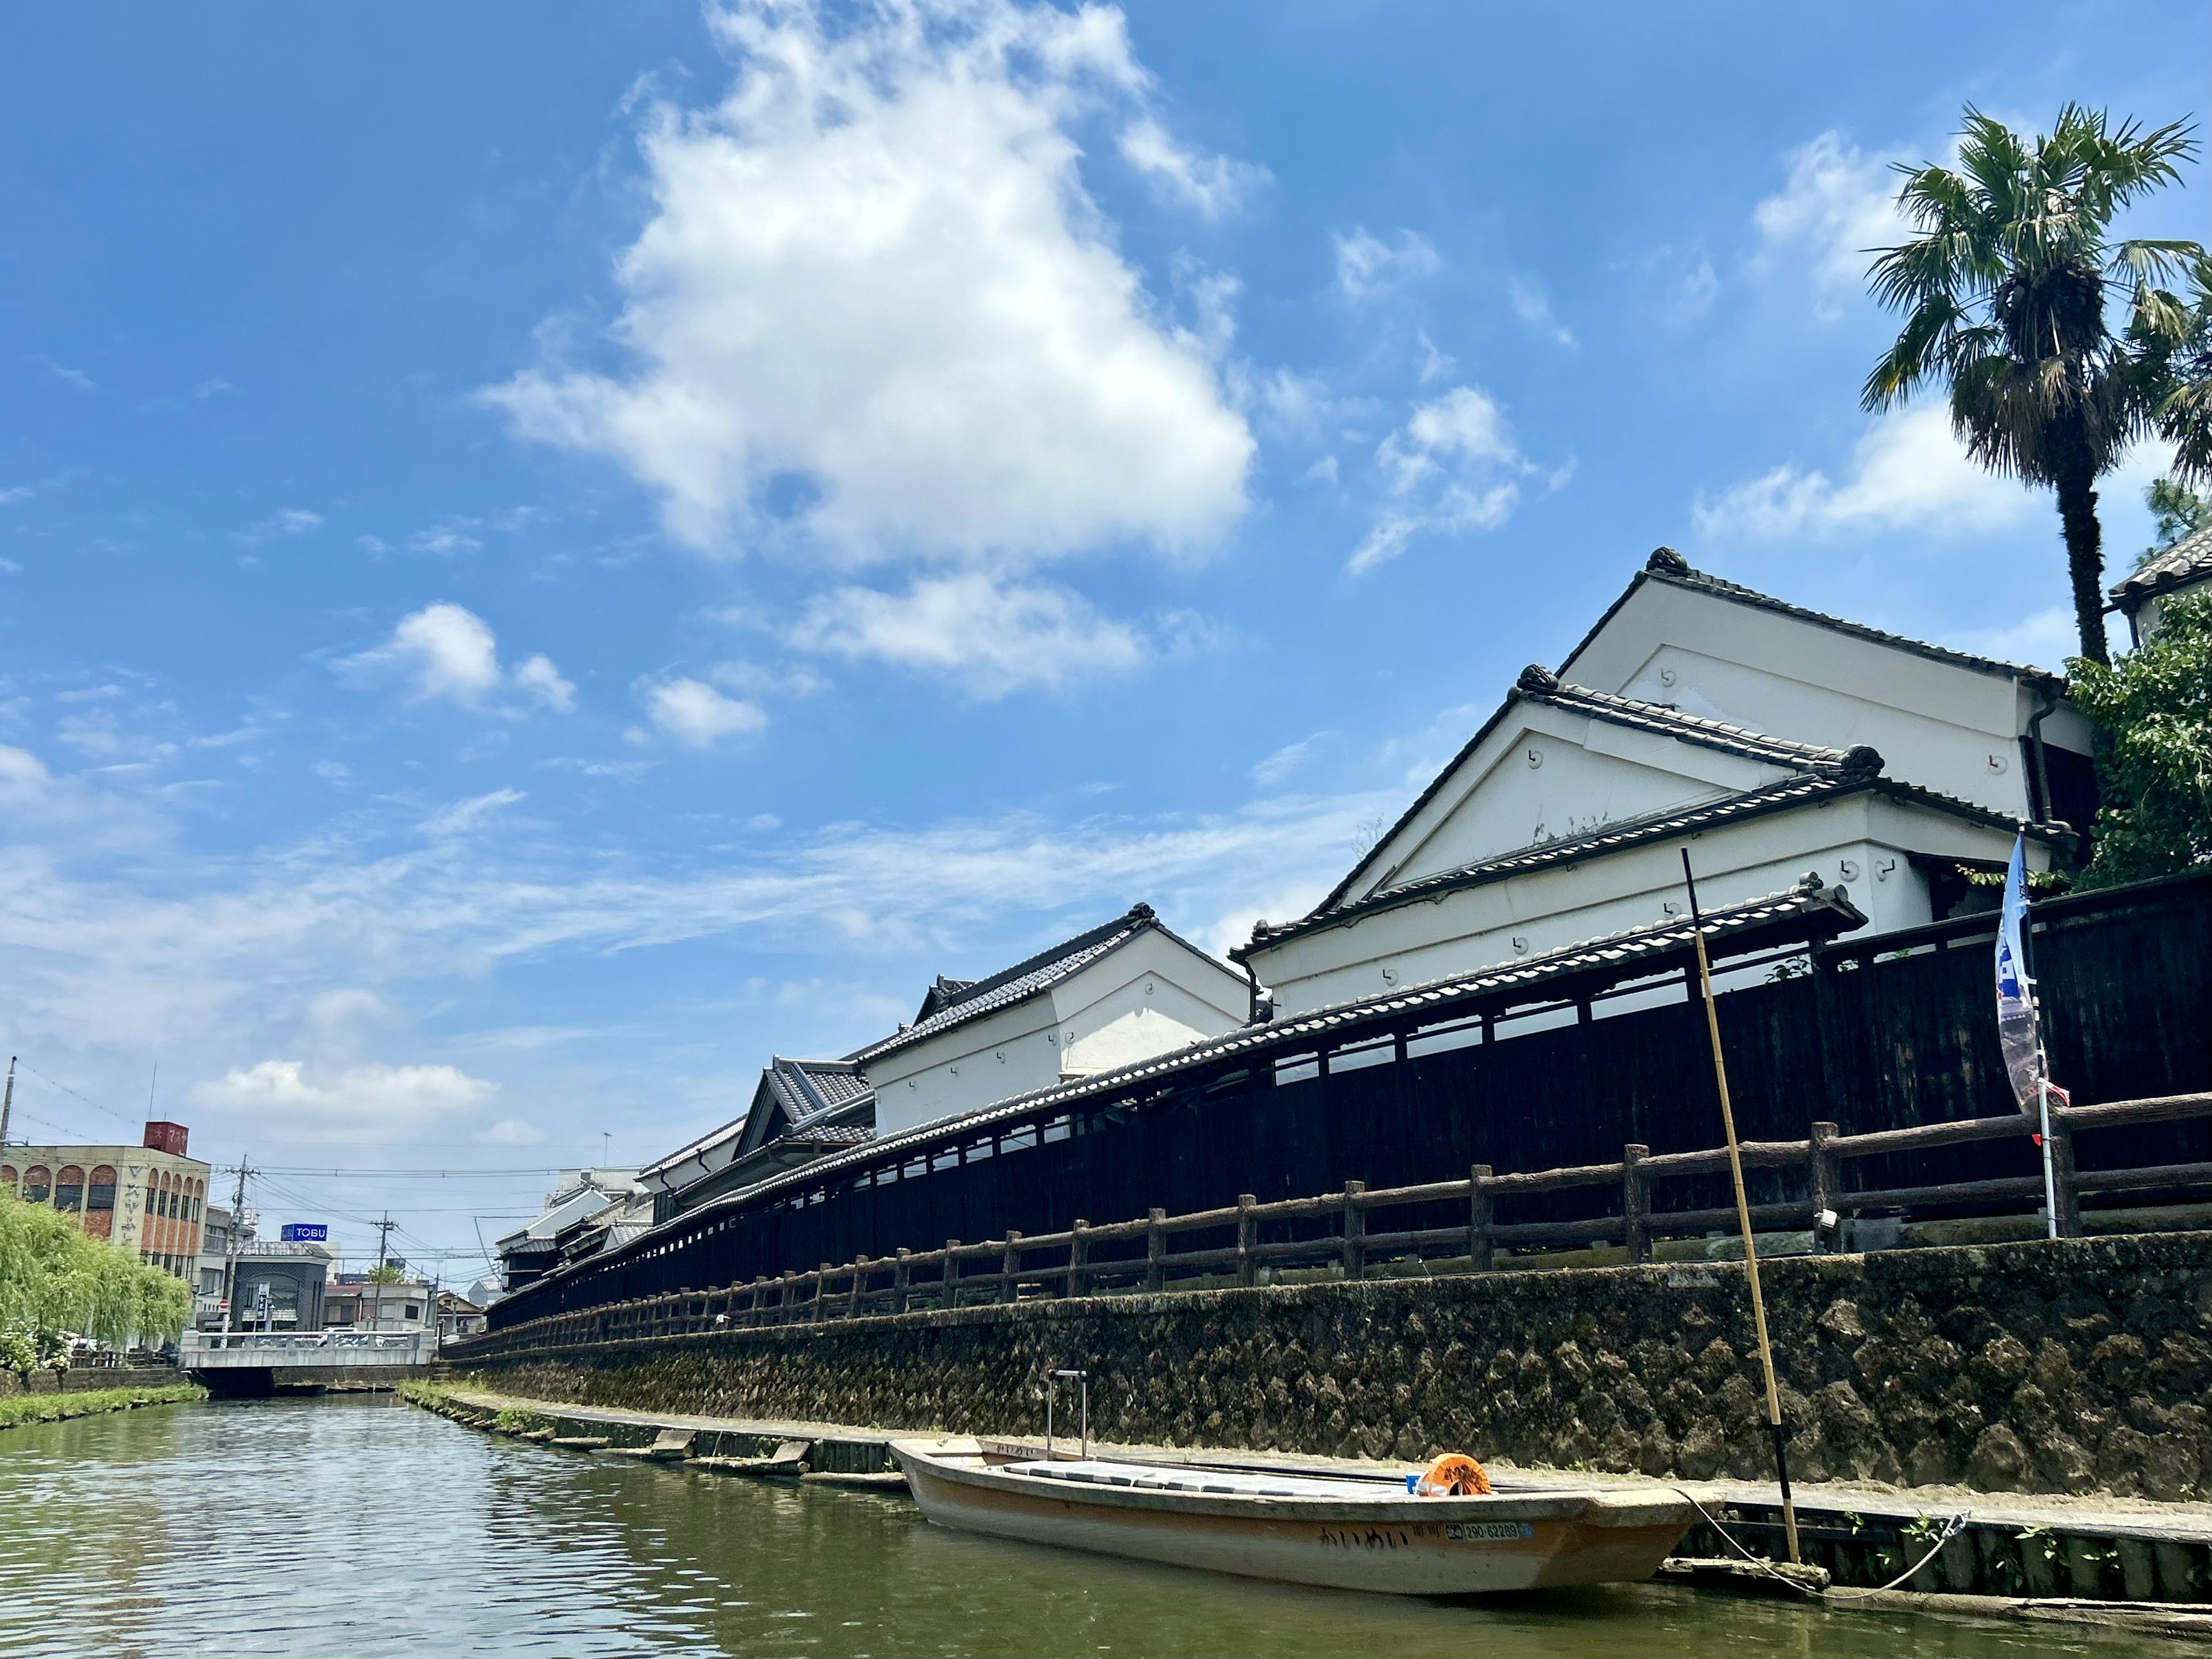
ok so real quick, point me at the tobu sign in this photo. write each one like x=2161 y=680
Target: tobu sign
x=304 y=1233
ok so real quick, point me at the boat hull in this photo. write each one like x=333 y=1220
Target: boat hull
x=1419 y=1546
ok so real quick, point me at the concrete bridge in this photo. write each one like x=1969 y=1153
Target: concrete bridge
x=260 y=1363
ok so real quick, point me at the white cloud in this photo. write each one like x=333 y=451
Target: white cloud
x=1367 y=267
x=1534 y=308
x=465 y=815
x=752 y=679
x=446 y=651
x=68 y=376
x=1435 y=365
x=367 y=1104
x=1836 y=206
x=990 y=636
x=1908 y=472
x=1210 y=185
x=872 y=268
x=448 y=540
x=511 y=1132
x=280 y=525
x=693 y=712
x=1453 y=467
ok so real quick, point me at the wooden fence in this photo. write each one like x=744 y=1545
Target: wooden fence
x=1144 y=1256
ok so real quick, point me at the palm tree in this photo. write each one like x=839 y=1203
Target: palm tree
x=2005 y=291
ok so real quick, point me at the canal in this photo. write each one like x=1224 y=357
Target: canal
x=359 y=1526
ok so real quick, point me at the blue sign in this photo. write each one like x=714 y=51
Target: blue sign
x=304 y=1233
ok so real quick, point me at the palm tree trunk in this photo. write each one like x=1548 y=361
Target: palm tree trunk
x=2084 y=558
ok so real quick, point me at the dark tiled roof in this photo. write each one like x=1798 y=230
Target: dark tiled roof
x=1803 y=790
x=2187 y=561
x=802 y=1089
x=1540 y=685
x=1022 y=980
x=1666 y=565
x=1805 y=913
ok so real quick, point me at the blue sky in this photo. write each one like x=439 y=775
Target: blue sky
x=552 y=552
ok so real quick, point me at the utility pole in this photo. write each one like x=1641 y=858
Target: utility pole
x=376 y=1296
x=7 y=1101
x=230 y=1249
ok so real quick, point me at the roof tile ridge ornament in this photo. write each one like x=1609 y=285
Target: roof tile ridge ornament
x=1142 y=912
x=1537 y=681
x=1862 y=760
x=1666 y=562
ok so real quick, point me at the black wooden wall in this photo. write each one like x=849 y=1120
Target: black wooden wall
x=1863 y=1041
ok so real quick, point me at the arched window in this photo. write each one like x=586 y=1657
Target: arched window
x=37 y=1181
x=8 y=1176
x=69 y=1187
x=100 y=1194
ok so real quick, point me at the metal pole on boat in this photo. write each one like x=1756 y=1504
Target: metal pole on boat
x=1743 y=1217
x=1082 y=1379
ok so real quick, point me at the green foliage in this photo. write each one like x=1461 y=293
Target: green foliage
x=54 y=1279
x=2004 y=291
x=19 y=1409
x=2154 y=705
x=384 y=1273
x=2178 y=511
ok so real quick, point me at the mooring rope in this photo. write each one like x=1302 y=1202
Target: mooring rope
x=1952 y=1530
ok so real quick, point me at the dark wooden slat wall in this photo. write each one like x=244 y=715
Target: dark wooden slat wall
x=2127 y=995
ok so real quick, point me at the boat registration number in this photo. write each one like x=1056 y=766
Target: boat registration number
x=1487 y=1532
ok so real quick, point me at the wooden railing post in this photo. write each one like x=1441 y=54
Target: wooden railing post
x=1156 y=1246
x=1480 y=1254
x=821 y=1287
x=948 y=1295
x=902 y=1280
x=1248 y=1239
x=853 y=1301
x=1010 y=1268
x=1827 y=1238
x=2062 y=1179
x=1079 y=1259
x=1355 y=1230
x=1636 y=1201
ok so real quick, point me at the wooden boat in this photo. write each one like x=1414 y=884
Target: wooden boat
x=1303 y=1528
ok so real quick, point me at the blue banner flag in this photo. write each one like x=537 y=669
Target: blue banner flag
x=2016 y=1029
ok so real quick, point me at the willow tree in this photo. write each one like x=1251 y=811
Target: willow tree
x=53 y=1279
x=2008 y=290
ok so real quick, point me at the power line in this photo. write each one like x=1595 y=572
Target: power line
x=66 y=1090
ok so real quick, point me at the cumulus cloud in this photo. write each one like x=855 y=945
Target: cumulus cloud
x=446 y=651
x=693 y=712
x=1453 y=467
x=1211 y=185
x=989 y=636
x=1368 y=267
x=366 y=1104
x=1908 y=472
x=1836 y=206
x=511 y=1132
x=875 y=306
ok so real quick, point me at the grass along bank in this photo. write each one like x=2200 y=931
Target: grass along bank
x=16 y=1410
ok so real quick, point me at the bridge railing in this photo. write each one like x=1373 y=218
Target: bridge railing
x=307 y=1347
x=1146 y=1256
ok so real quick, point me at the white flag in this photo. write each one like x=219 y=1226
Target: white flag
x=2016 y=1031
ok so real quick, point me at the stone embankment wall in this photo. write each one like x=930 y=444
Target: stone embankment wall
x=2064 y=1365
x=88 y=1379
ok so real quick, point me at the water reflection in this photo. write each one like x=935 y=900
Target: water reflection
x=358 y=1526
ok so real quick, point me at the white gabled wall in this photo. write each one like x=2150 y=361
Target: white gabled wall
x=1944 y=726
x=1859 y=842
x=1150 y=996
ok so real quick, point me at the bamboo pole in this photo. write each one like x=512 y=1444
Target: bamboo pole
x=1743 y=1217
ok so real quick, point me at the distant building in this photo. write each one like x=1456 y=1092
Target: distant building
x=275 y=1286
x=2185 y=568
x=533 y=1250
x=457 y=1316
x=150 y=1198
x=1121 y=993
x=356 y=1303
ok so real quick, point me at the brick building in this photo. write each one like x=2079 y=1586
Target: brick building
x=150 y=1198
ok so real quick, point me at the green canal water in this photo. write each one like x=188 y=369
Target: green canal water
x=359 y=1526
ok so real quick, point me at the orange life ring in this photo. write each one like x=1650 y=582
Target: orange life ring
x=1455 y=1475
